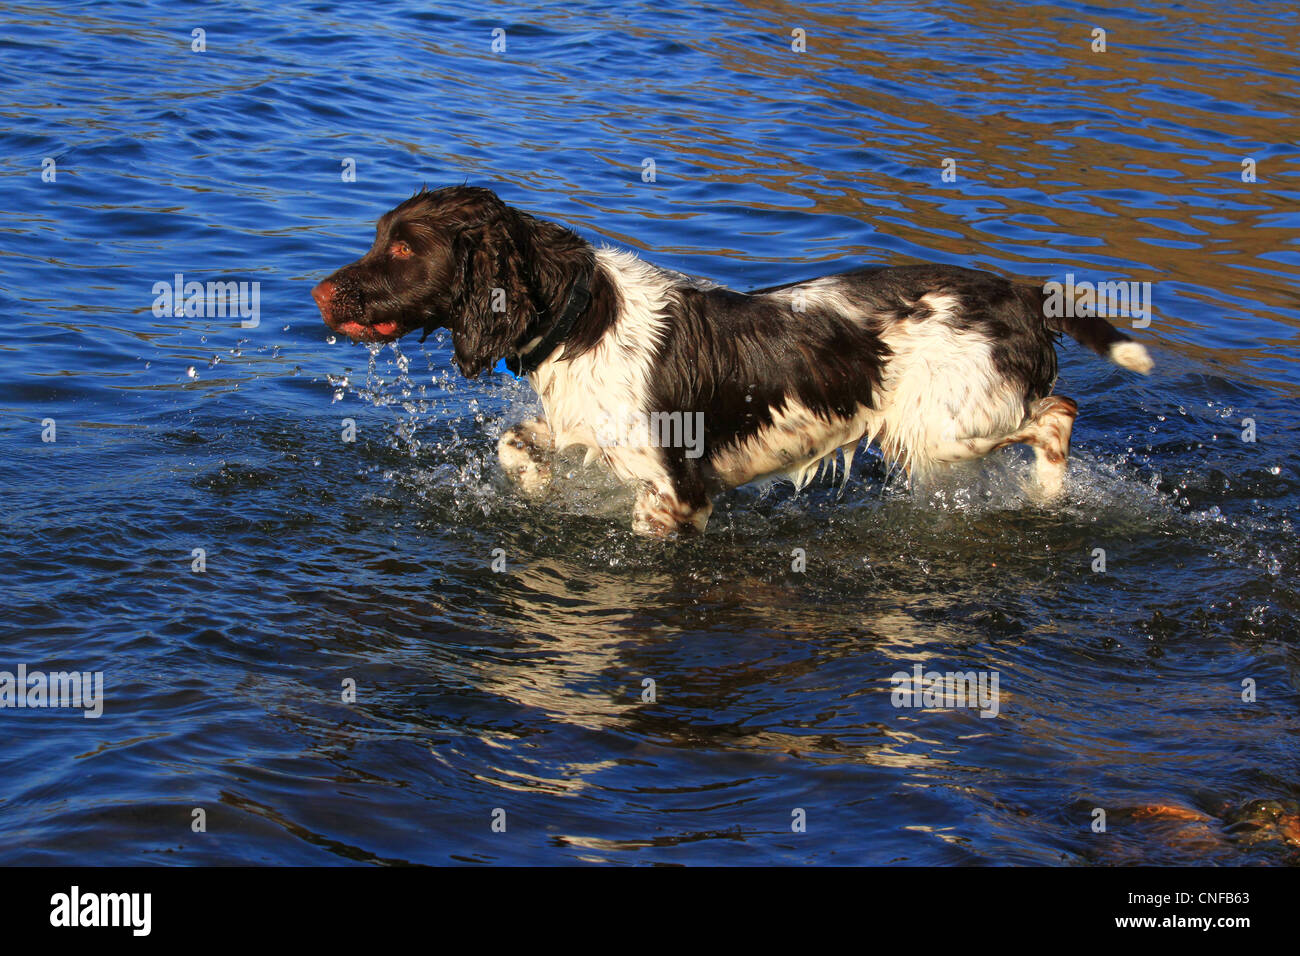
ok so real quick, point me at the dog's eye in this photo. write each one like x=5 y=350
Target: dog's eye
x=400 y=250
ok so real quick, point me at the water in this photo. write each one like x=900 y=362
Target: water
x=521 y=691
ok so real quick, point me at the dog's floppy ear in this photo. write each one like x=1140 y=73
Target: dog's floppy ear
x=492 y=297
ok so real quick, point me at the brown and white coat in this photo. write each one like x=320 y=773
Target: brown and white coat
x=936 y=364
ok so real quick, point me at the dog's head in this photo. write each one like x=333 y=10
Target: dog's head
x=456 y=258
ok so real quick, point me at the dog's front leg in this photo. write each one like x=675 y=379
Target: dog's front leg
x=525 y=454
x=662 y=509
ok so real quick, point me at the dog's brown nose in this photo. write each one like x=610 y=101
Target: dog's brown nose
x=324 y=295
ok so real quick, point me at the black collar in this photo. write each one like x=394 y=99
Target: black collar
x=579 y=299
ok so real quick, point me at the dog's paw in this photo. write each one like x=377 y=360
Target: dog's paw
x=523 y=464
x=652 y=527
x=660 y=514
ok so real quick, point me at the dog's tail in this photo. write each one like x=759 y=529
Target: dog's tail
x=1095 y=333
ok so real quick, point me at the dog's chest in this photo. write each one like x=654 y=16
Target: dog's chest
x=598 y=401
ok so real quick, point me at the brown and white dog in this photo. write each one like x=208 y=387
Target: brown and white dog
x=684 y=388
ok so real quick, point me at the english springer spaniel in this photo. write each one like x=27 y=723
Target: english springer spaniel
x=684 y=388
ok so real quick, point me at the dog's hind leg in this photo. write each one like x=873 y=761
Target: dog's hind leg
x=1046 y=429
x=525 y=454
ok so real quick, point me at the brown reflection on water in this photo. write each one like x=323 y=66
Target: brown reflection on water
x=1132 y=155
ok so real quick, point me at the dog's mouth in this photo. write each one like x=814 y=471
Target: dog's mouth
x=339 y=317
x=384 y=331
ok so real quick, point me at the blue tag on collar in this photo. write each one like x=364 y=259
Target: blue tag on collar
x=501 y=367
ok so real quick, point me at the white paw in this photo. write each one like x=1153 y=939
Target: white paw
x=523 y=465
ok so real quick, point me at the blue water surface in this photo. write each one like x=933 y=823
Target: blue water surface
x=198 y=531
